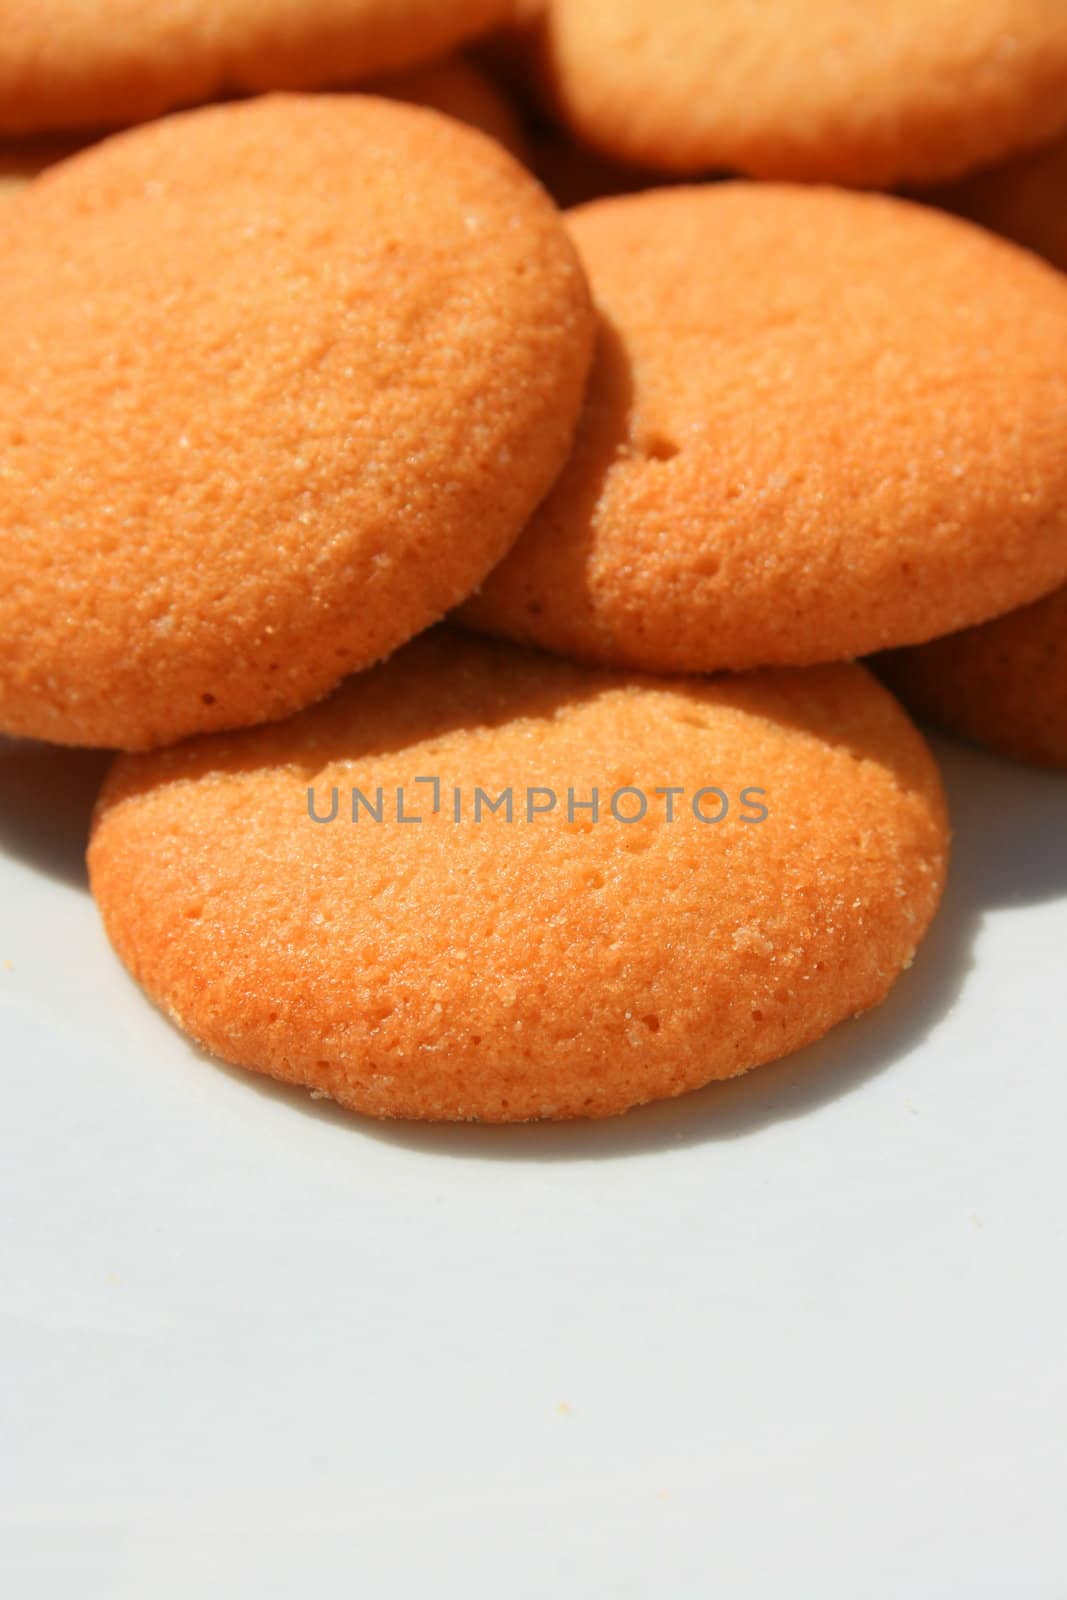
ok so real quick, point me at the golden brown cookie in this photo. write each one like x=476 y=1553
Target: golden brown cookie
x=461 y=90
x=819 y=424
x=105 y=63
x=309 y=369
x=1003 y=685
x=548 y=963
x=1024 y=199
x=865 y=92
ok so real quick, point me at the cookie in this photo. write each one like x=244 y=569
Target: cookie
x=461 y=90
x=451 y=85
x=1003 y=685
x=871 y=94
x=1024 y=199
x=310 y=368
x=819 y=424
x=548 y=961
x=106 y=63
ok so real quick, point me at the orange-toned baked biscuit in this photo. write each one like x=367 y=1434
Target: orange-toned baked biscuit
x=1024 y=199
x=866 y=92
x=550 y=965
x=461 y=90
x=104 y=63
x=819 y=424
x=309 y=369
x=1003 y=685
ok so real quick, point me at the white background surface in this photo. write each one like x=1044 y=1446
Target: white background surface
x=801 y=1335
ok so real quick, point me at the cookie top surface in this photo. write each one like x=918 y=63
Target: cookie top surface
x=872 y=93
x=104 y=63
x=1003 y=685
x=510 y=969
x=819 y=423
x=300 y=378
x=1024 y=199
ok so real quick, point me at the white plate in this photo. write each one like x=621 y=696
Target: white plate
x=801 y=1335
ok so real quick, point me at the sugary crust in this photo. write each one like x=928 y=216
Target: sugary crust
x=312 y=365
x=512 y=970
x=819 y=424
x=1003 y=685
x=867 y=92
x=107 y=63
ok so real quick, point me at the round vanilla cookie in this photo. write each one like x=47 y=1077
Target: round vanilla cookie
x=819 y=424
x=310 y=367
x=554 y=964
x=1024 y=199
x=866 y=92
x=462 y=90
x=1003 y=685
x=106 y=63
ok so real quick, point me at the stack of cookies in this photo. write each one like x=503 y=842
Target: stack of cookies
x=475 y=589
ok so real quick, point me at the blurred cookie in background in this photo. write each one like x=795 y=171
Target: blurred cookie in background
x=872 y=94
x=452 y=85
x=1003 y=685
x=69 y=64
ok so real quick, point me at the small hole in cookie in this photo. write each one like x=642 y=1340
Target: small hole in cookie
x=651 y=1022
x=208 y=699
x=636 y=846
x=658 y=447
